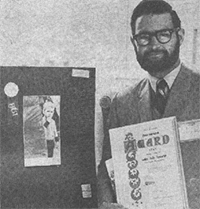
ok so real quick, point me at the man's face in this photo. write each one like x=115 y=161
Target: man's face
x=156 y=57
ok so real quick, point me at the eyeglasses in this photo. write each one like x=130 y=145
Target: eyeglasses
x=162 y=36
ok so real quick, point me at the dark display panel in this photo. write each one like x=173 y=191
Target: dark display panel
x=55 y=186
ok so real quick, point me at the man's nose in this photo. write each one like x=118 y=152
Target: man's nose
x=154 y=43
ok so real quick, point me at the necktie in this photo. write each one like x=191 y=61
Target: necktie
x=162 y=91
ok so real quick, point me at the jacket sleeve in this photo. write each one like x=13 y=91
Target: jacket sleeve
x=105 y=190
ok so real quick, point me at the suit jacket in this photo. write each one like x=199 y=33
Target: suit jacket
x=134 y=106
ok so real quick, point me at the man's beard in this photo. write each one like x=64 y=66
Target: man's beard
x=152 y=64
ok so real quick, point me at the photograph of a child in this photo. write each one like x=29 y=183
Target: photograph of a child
x=41 y=126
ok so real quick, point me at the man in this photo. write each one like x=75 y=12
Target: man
x=171 y=89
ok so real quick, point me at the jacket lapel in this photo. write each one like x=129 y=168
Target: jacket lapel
x=178 y=97
x=144 y=104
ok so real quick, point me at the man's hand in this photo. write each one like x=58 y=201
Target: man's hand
x=106 y=205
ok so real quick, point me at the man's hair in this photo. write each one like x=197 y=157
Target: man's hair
x=146 y=7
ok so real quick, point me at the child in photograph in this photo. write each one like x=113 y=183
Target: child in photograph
x=51 y=134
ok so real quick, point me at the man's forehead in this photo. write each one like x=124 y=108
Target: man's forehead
x=153 y=22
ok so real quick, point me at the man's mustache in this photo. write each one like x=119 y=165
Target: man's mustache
x=152 y=52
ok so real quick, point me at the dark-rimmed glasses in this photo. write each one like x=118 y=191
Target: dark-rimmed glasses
x=162 y=36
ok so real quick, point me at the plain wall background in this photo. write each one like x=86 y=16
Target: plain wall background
x=85 y=33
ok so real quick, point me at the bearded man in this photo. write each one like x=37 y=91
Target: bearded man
x=171 y=89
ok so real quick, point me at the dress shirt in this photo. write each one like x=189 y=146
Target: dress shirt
x=169 y=78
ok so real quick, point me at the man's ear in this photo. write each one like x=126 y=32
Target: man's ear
x=181 y=34
x=134 y=44
x=132 y=41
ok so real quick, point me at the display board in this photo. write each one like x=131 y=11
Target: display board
x=47 y=137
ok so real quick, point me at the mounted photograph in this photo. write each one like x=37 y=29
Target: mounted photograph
x=41 y=130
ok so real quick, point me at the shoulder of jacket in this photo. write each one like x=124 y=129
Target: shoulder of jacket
x=189 y=70
x=131 y=91
x=193 y=74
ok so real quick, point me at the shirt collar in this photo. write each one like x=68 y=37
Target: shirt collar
x=169 y=78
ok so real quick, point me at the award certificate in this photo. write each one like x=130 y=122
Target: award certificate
x=147 y=165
